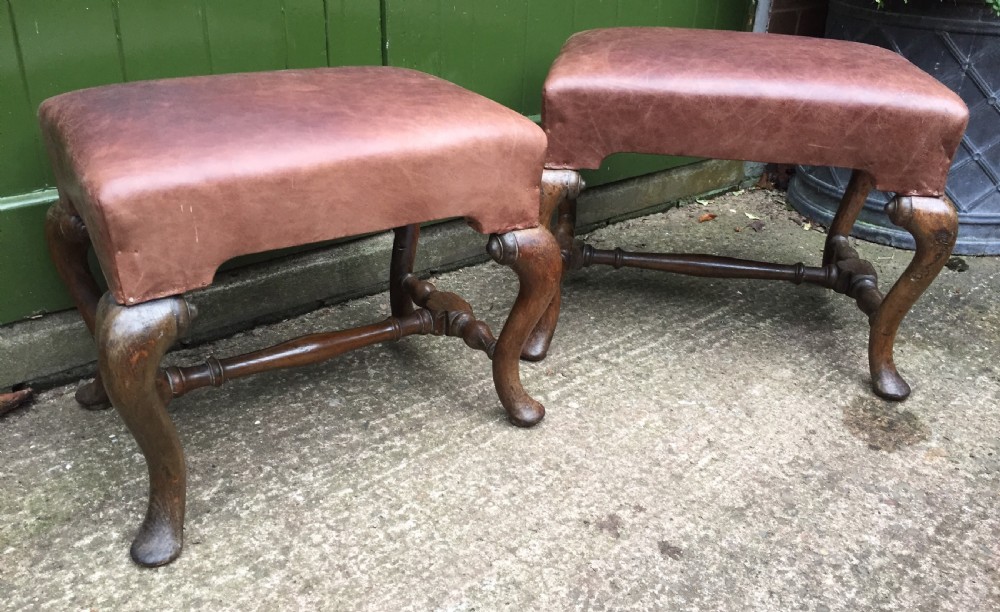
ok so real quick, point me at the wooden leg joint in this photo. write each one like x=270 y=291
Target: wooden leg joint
x=853 y=276
x=451 y=314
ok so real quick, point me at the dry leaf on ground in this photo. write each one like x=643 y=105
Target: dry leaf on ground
x=10 y=401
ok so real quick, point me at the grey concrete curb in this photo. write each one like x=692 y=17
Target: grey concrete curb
x=56 y=348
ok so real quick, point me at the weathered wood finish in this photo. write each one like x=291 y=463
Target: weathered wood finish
x=306 y=350
x=932 y=222
x=440 y=313
x=131 y=342
x=133 y=339
x=68 y=241
x=557 y=186
x=534 y=256
x=860 y=185
x=404 y=252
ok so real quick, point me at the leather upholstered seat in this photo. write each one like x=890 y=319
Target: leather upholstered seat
x=174 y=177
x=743 y=96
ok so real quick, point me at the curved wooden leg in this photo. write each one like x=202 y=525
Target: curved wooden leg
x=131 y=342
x=534 y=256
x=559 y=191
x=404 y=252
x=68 y=243
x=858 y=188
x=933 y=223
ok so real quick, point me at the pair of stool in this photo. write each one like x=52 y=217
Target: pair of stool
x=169 y=179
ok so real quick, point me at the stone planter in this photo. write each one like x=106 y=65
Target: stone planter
x=957 y=41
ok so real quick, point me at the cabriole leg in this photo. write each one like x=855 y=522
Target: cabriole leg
x=534 y=256
x=933 y=223
x=68 y=242
x=559 y=191
x=131 y=342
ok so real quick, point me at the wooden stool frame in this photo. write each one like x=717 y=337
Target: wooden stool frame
x=132 y=340
x=932 y=221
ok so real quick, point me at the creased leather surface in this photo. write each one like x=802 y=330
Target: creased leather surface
x=174 y=177
x=759 y=97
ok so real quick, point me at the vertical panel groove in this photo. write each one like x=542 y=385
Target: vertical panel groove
x=284 y=30
x=326 y=29
x=439 y=58
x=383 y=11
x=204 y=33
x=20 y=54
x=524 y=56
x=118 y=38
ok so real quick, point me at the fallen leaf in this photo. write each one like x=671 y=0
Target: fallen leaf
x=10 y=401
x=751 y=216
x=707 y=217
x=702 y=202
x=756 y=225
x=807 y=226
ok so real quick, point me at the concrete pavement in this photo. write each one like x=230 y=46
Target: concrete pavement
x=709 y=445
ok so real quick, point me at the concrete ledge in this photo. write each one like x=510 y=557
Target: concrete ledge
x=56 y=348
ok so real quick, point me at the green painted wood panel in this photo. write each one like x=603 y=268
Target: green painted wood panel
x=354 y=32
x=21 y=155
x=305 y=33
x=161 y=39
x=30 y=284
x=64 y=45
x=246 y=35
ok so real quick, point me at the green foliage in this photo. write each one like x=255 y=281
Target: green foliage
x=993 y=4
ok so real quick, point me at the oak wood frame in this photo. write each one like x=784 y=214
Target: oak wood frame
x=932 y=221
x=132 y=340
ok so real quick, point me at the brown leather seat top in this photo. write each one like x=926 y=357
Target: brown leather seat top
x=760 y=97
x=174 y=177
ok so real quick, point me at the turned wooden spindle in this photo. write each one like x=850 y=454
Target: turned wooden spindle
x=453 y=315
x=306 y=350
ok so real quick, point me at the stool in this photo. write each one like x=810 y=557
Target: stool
x=768 y=98
x=168 y=179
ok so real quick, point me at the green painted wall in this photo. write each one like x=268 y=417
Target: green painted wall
x=500 y=48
